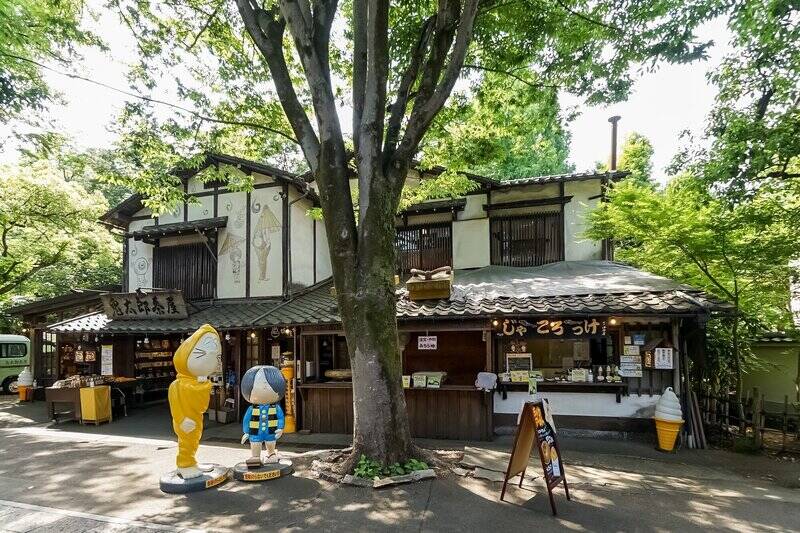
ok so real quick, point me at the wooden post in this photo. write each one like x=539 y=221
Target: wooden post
x=758 y=400
x=784 y=424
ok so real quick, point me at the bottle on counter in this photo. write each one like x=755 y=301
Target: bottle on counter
x=600 y=377
x=590 y=376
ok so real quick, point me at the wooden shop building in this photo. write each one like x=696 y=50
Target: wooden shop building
x=530 y=301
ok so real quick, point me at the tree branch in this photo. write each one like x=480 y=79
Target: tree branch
x=398 y=109
x=200 y=116
x=209 y=20
x=512 y=75
x=425 y=111
x=359 y=65
x=371 y=126
x=267 y=34
x=588 y=19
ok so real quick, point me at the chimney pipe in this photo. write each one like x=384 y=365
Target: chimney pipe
x=613 y=120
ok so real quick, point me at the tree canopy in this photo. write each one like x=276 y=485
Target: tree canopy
x=33 y=33
x=50 y=240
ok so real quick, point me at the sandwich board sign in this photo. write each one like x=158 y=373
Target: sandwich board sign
x=536 y=428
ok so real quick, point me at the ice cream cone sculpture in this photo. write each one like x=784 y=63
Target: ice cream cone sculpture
x=669 y=419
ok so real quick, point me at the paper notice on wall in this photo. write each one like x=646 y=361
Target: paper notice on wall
x=107 y=360
x=630 y=349
x=580 y=351
x=628 y=340
x=663 y=358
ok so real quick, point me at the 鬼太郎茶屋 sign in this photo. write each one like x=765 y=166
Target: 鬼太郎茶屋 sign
x=566 y=328
x=160 y=305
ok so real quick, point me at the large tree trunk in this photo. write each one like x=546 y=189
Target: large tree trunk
x=368 y=310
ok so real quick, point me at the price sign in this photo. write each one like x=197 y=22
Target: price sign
x=663 y=358
x=427 y=342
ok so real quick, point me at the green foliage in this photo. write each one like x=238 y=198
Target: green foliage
x=50 y=240
x=370 y=469
x=506 y=129
x=739 y=253
x=33 y=32
x=636 y=156
x=506 y=122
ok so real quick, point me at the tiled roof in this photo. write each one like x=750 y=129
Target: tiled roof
x=780 y=337
x=565 y=288
x=157 y=231
x=556 y=178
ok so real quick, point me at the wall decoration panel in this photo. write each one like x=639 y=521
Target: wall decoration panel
x=140 y=258
x=232 y=247
x=266 y=242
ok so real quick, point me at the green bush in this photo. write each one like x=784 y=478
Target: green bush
x=370 y=469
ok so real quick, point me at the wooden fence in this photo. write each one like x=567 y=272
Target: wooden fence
x=726 y=423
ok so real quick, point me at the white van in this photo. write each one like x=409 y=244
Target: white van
x=15 y=355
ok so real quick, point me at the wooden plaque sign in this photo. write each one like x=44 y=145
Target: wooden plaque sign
x=536 y=428
x=162 y=305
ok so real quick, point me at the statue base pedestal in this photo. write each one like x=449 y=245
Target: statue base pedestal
x=265 y=472
x=172 y=483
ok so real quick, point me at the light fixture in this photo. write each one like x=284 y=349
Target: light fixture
x=612 y=321
x=146 y=340
x=24 y=330
x=227 y=336
x=252 y=334
x=495 y=322
x=96 y=338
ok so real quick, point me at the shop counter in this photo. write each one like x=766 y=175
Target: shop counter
x=449 y=412
x=55 y=397
x=618 y=389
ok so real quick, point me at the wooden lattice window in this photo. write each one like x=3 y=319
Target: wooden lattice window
x=424 y=247
x=188 y=267
x=528 y=240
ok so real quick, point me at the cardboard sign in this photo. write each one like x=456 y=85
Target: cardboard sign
x=427 y=342
x=161 y=305
x=663 y=358
x=536 y=427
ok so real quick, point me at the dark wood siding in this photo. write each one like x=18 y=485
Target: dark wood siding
x=448 y=413
x=188 y=267
x=424 y=247
x=528 y=240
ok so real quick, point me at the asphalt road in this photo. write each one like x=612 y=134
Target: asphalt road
x=60 y=480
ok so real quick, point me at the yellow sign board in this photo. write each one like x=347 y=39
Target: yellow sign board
x=261 y=476
x=214 y=481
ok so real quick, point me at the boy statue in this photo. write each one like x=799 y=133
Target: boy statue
x=263 y=423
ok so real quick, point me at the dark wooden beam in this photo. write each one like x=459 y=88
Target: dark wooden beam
x=561 y=200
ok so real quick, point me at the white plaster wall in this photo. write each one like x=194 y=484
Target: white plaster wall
x=204 y=208
x=323 y=256
x=432 y=218
x=266 y=242
x=140 y=259
x=172 y=216
x=144 y=212
x=195 y=185
x=525 y=192
x=577 y=247
x=261 y=178
x=302 y=241
x=471 y=243
x=473 y=208
x=578 y=404
x=231 y=254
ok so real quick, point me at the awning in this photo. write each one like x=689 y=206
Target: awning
x=150 y=234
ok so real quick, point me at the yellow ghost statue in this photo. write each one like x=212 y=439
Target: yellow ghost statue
x=196 y=358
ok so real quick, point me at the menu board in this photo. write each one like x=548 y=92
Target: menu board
x=536 y=428
x=630 y=366
x=107 y=360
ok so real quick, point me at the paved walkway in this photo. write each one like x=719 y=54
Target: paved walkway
x=95 y=478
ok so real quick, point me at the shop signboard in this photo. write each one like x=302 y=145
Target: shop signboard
x=159 y=305
x=536 y=428
x=107 y=360
x=427 y=342
x=565 y=328
x=663 y=358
